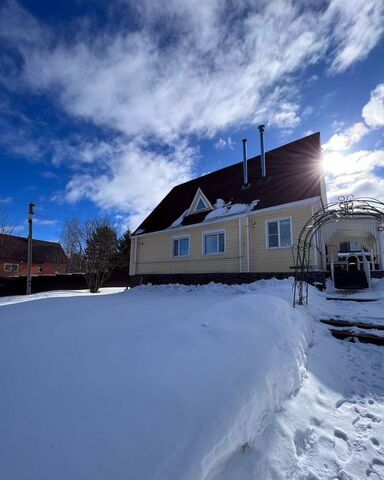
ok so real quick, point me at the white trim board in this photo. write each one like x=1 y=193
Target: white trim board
x=276 y=208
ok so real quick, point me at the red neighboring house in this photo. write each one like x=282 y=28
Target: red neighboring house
x=48 y=258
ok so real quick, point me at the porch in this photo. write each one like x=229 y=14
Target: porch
x=353 y=251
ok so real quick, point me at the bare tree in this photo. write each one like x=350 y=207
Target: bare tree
x=71 y=241
x=5 y=229
x=94 y=246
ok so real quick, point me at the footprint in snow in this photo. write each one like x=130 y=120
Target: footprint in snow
x=375 y=442
x=372 y=475
x=342 y=447
x=303 y=440
x=340 y=402
x=376 y=470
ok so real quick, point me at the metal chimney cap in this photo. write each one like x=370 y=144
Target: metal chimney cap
x=261 y=128
x=244 y=140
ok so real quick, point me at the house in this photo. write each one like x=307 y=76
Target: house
x=48 y=258
x=240 y=223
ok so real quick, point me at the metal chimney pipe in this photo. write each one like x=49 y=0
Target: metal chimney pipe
x=245 y=164
x=262 y=151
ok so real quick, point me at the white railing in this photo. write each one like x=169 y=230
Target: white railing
x=367 y=270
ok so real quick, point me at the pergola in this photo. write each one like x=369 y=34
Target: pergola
x=326 y=219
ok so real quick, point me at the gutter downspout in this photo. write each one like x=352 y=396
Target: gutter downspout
x=240 y=249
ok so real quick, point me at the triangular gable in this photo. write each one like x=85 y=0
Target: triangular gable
x=200 y=203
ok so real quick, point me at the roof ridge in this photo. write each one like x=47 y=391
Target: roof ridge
x=18 y=237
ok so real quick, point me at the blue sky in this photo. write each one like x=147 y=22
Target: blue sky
x=105 y=106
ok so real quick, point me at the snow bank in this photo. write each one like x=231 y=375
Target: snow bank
x=156 y=383
x=58 y=293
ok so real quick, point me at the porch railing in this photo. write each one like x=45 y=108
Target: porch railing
x=367 y=270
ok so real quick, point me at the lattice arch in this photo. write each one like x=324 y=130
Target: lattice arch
x=345 y=208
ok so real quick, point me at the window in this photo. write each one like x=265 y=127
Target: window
x=11 y=267
x=213 y=243
x=279 y=233
x=180 y=247
x=346 y=247
x=200 y=205
x=355 y=247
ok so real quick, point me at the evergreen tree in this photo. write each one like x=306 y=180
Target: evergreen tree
x=124 y=251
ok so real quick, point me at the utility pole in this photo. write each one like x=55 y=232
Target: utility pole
x=31 y=211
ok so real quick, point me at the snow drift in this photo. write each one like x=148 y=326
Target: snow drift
x=156 y=383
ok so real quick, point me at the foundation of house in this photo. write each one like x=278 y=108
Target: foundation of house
x=226 y=278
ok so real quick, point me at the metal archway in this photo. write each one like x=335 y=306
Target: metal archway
x=345 y=208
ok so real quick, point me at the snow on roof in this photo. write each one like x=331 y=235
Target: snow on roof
x=225 y=210
x=179 y=220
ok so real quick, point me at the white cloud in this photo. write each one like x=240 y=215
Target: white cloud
x=308 y=132
x=135 y=180
x=210 y=77
x=226 y=66
x=223 y=143
x=358 y=28
x=373 y=115
x=373 y=111
x=337 y=125
x=45 y=222
x=349 y=137
x=356 y=172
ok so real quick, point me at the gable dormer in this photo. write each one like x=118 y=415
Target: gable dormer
x=200 y=203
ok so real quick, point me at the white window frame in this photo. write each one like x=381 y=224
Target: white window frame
x=181 y=237
x=213 y=232
x=11 y=264
x=278 y=220
x=199 y=195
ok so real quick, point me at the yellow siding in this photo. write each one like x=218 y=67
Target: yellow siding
x=275 y=259
x=244 y=262
x=153 y=253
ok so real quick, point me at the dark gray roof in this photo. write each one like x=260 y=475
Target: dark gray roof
x=15 y=249
x=294 y=173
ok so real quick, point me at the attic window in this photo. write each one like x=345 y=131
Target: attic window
x=200 y=205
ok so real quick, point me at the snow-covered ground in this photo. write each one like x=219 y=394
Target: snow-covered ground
x=58 y=293
x=188 y=383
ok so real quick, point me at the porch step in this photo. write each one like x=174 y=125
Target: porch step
x=345 y=323
x=343 y=299
x=361 y=337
